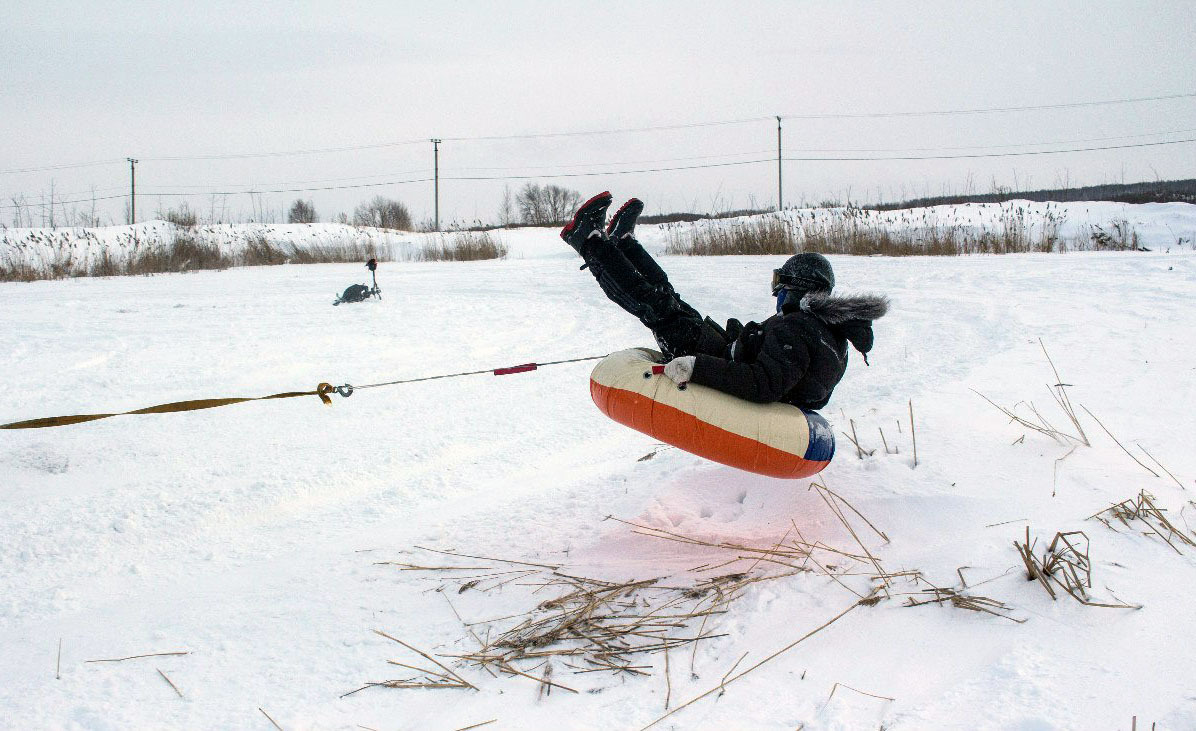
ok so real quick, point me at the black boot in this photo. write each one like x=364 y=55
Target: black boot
x=588 y=225
x=622 y=224
x=621 y=230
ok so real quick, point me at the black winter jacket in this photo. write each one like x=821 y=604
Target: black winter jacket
x=797 y=356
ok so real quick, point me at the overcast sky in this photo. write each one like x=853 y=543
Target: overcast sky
x=99 y=81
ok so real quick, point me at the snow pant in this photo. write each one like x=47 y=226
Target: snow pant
x=633 y=280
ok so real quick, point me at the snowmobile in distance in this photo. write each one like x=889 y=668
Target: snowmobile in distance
x=361 y=292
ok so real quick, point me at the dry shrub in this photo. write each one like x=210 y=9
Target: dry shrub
x=260 y=252
x=464 y=246
x=187 y=251
x=863 y=232
x=752 y=237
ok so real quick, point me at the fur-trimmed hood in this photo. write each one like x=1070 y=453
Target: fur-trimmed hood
x=848 y=315
x=836 y=310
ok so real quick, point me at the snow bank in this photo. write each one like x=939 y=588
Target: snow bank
x=1157 y=225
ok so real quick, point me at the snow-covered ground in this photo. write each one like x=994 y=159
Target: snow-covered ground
x=251 y=536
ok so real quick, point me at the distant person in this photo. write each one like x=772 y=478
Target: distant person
x=796 y=356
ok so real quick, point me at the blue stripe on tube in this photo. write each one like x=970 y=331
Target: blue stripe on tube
x=822 y=438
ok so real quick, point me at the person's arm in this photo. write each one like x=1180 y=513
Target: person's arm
x=780 y=364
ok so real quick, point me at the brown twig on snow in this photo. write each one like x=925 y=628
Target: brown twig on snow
x=836 y=686
x=134 y=657
x=1065 y=558
x=722 y=685
x=272 y=721
x=1142 y=508
x=913 y=432
x=1131 y=456
x=171 y=682
x=1042 y=427
x=1055 y=471
x=1061 y=398
x=426 y=656
x=1160 y=464
x=838 y=513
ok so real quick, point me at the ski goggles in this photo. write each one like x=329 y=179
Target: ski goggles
x=780 y=281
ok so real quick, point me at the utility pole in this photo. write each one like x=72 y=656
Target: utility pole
x=132 y=190
x=436 y=184
x=780 y=197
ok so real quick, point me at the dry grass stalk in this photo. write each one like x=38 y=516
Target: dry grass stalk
x=836 y=686
x=134 y=657
x=1160 y=464
x=912 y=431
x=551 y=567
x=171 y=682
x=886 y=442
x=1055 y=470
x=594 y=625
x=955 y=597
x=271 y=720
x=839 y=498
x=1066 y=563
x=1041 y=426
x=1142 y=508
x=727 y=681
x=831 y=500
x=1006 y=522
x=478 y=725
x=668 y=681
x=1128 y=452
x=856 y=441
x=448 y=676
x=937 y=595
x=1059 y=391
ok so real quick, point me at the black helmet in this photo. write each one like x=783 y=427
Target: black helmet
x=804 y=272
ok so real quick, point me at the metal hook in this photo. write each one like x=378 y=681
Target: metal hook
x=345 y=390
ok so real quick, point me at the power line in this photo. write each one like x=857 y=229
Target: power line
x=990 y=110
x=63 y=203
x=986 y=154
x=595 y=132
x=995 y=147
x=623 y=162
x=623 y=130
x=606 y=172
x=67 y=166
x=251 y=191
x=256 y=186
x=259 y=187
x=623 y=172
x=286 y=153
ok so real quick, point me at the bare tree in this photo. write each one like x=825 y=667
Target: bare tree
x=383 y=213
x=302 y=212
x=506 y=211
x=540 y=206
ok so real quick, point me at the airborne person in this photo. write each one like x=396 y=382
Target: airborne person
x=796 y=356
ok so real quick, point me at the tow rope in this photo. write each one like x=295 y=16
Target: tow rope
x=323 y=391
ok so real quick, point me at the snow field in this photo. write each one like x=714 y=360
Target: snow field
x=249 y=535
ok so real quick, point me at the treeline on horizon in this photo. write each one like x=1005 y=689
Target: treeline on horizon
x=1157 y=191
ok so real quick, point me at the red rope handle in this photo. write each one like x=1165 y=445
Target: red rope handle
x=516 y=369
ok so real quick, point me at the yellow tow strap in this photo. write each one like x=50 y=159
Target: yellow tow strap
x=322 y=391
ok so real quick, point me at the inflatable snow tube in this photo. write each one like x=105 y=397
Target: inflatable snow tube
x=777 y=440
